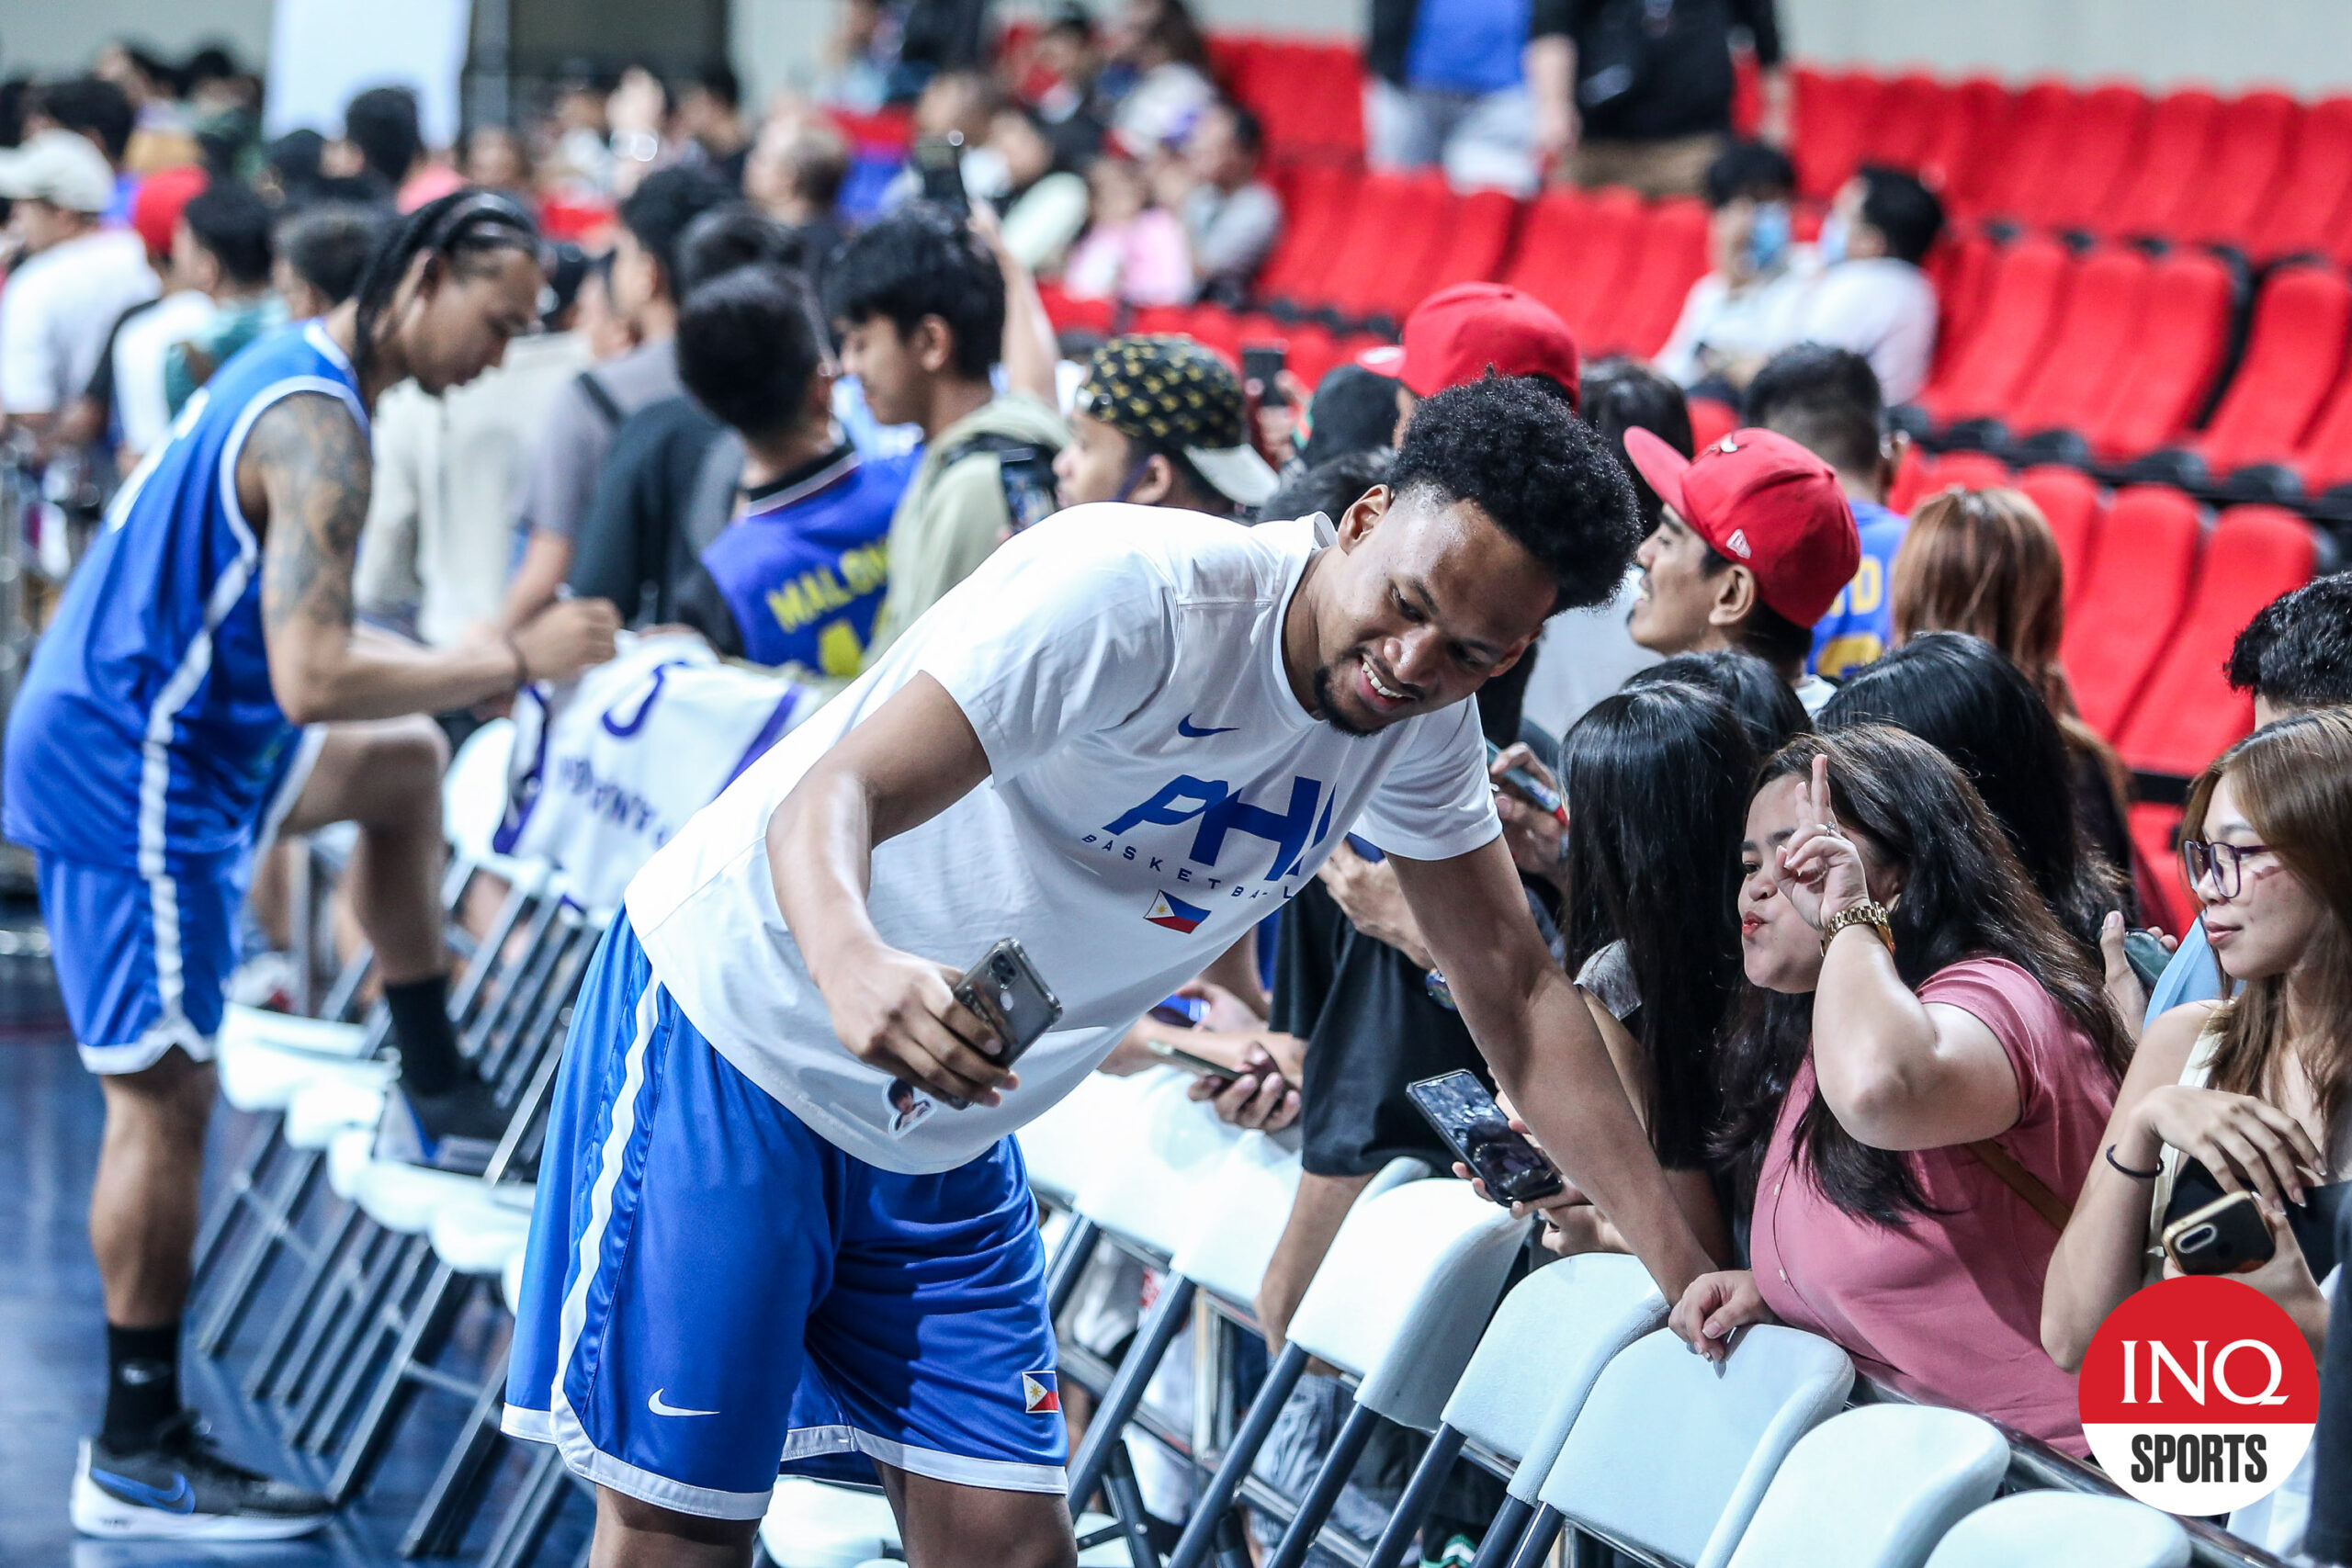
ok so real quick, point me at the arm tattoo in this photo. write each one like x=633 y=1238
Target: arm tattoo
x=314 y=468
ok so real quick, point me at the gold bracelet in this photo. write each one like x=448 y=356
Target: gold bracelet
x=1865 y=911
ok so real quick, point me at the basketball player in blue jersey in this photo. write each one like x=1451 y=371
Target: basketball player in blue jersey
x=780 y=1221
x=201 y=686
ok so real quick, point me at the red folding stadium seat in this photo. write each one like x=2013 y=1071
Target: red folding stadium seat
x=1959 y=268
x=2168 y=165
x=1907 y=122
x=1914 y=477
x=1669 y=255
x=2292 y=357
x=2167 y=371
x=1971 y=139
x=1392 y=229
x=2094 y=334
x=1712 y=419
x=2042 y=124
x=2305 y=208
x=1834 y=112
x=1477 y=242
x=1970 y=470
x=1572 y=251
x=1070 y=315
x=2022 y=300
x=1339 y=103
x=2103 y=143
x=2136 y=588
x=2325 y=458
x=2166 y=901
x=2070 y=499
x=2190 y=716
x=2253 y=138
x=1316 y=214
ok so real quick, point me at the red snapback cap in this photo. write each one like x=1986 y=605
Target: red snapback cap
x=1457 y=334
x=1765 y=501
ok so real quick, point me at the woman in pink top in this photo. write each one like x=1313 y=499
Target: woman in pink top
x=1919 y=1087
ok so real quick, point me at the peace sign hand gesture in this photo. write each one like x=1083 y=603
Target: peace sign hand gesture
x=1821 y=869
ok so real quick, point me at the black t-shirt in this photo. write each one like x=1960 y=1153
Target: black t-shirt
x=654 y=509
x=1648 y=69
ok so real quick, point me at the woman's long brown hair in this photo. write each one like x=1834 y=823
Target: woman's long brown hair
x=1985 y=562
x=2294 y=780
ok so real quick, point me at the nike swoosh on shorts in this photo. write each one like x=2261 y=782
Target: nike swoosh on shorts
x=658 y=1408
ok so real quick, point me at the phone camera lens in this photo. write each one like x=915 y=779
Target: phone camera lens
x=1004 y=998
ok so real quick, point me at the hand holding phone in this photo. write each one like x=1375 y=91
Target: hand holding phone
x=1458 y=1106
x=939 y=164
x=2228 y=1235
x=1011 y=1000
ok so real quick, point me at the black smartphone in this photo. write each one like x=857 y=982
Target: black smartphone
x=1262 y=362
x=2146 y=956
x=1475 y=1128
x=1005 y=992
x=2225 y=1237
x=1199 y=1067
x=1529 y=788
x=2312 y=1220
x=1180 y=1012
x=939 y=162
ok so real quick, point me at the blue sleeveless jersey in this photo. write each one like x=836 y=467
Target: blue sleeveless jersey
x=146 y=734
x=805 y=572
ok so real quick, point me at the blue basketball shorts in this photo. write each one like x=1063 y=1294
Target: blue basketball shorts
x=144 y=961
x=713 y=1294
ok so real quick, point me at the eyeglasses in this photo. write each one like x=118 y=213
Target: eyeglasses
x=2225 y=863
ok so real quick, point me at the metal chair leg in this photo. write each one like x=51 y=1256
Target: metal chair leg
x=1536 y=1543
x=420 y=1339
x=350 y=1279
x=221 y=1222
x=1160 y=1329
x=531 y=1514
x=450 y=1503
x=271 y=1358
x=1405 y=1520
x=277 y=1216
x=1126 y=1505
x=1494 y=1546
x=1210 y=1510
x=1324 y=1494
x=344 y=1372
x=1069 y=1263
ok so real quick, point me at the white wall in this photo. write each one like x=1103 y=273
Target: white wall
x=51 y=37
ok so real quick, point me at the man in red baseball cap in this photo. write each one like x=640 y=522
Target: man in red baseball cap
x=1753 y=544
x=1458 y=334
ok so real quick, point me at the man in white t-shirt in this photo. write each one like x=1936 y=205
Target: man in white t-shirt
x=1867 y=291
x=767 y=1235
x=75 y=282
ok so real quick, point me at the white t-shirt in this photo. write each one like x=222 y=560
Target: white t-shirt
x=1155 y=789
x=57 y=310
x=141 y=403
x=1882 y=308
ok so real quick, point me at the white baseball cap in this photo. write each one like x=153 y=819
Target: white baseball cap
x=58 y=167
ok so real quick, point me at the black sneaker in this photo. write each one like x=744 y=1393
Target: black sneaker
x=458 y=1129
x=180 y=1487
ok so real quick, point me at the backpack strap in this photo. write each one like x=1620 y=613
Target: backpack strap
x=1024 y=467
x=600 y=397
x=2023 y=1182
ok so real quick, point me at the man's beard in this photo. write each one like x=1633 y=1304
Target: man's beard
x=1329 y=711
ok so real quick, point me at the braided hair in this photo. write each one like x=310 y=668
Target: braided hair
x=470 y=223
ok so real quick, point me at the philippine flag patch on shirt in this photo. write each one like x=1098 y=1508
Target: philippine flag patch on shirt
x=1174 y=913
x=1041 y=1393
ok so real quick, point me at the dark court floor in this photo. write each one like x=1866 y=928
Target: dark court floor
x=52 y=1356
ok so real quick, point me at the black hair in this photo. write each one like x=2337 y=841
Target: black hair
x=209 y=62
x=1753 y=169
x=718 y=79
x=747 y=348
x=295 y=158
x=1621 y=393
x=737 y=235
x=1897 y=205
x=381 y=122
x=1659 y=774
x=1963 y=697
x=2297 y=651
x=658 y=213
x=1965 y=895
x=1248 y=130
x=1329 y=487
x=924 y=260
x=1766 y=633
x=172 y=79
x=328 y=244
x=1536 y=469
x=566 y=269
x=231 y=222
x=1071 y=16
x=1767 y=709
x=1826 y=399
x=94 y=106
x=455 y=230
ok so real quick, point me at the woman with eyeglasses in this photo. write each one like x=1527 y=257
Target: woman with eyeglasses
x=2257 y=1089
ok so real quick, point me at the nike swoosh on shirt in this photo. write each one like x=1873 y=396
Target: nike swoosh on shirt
x=1185 y=728
x=655 y=1406
x=180 y=1499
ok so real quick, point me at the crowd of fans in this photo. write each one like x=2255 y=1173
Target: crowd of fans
x=1844 y=878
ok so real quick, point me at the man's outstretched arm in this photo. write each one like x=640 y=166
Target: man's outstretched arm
x=1534 y=1032
x=904 y=763
x=305 y=473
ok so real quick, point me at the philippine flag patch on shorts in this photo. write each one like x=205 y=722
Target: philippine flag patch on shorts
x=1041 y=1393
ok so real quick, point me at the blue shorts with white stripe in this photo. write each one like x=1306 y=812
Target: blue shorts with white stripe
x=714 y=1292
x=143 y=961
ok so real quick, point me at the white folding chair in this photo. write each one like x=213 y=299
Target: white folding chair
x=1672 y=1453
x=1397 y=1305
x=1875 y=1487
x=1522 y=1391
x=2063 y=1529
x=1058 y=1148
